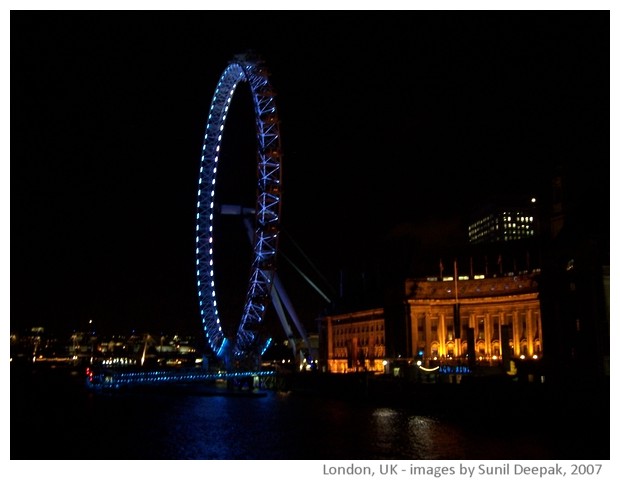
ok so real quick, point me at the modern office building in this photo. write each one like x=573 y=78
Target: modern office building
x=503 y=224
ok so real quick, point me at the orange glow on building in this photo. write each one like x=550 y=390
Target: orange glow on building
x=498 y=320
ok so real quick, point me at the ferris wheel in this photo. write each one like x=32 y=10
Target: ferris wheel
x=262 y=220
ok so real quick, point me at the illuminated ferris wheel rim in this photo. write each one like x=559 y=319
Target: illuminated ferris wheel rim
x=251 y=70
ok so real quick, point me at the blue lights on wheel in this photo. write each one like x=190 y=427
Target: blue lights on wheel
x=250 y=70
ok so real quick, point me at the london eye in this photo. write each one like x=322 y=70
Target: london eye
x=261 y=219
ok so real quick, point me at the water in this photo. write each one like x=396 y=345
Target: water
x=54 y=417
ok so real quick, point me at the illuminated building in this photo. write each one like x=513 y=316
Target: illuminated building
x=547 y=293
x=503 y=225
x=355 y=341
x=488 y=321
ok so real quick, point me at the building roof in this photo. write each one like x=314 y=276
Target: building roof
x=427 y=289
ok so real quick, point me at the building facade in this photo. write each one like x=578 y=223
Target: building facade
x=488 y=321
x=503 y=225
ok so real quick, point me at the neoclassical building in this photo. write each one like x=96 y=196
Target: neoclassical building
x=441 y=321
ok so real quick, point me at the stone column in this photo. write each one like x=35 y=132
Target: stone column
x=427 y=335
x=414 y=332
x=442 y=334
x=488 y=333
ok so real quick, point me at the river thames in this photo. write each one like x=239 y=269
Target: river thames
x=55 y=417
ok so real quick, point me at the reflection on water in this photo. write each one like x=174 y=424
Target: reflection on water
x=278 y=426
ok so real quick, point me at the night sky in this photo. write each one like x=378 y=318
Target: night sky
x=390 y=121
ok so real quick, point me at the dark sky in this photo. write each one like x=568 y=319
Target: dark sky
x=389 y=120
